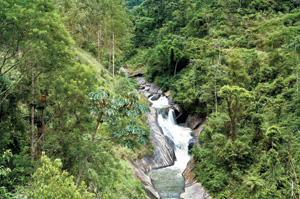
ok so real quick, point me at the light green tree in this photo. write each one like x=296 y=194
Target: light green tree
x=49 y=181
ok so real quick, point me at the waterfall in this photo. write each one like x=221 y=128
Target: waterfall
x=169 y=181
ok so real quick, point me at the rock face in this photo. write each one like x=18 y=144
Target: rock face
x=178 y=110
x=145 y=180
x=193 y=189
x=193 y=122
x=163 y=152
x=155 y=97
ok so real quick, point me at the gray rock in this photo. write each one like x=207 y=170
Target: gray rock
x=192 y=142
x=147 y=88
x=154 y=88
x=168 y=94
x=147 y=94
x=155 y=97
x=178 y=110
x=163 y=153
x=195 y=191
x=193 y=122
x=145 y=180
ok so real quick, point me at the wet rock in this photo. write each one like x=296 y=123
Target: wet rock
x=147 y=94
x=141 y=80
x=188 y=174
x=192 y=142
x=155 y=97
x=154 y=88
x=147 y=88
x=198 y=130
x=163 y=152
x=145 y=180
x=193 y=122
x=178 y=110
x=168 y=94
x=195 y=191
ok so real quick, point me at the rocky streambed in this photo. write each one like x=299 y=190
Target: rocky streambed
x=164 y=154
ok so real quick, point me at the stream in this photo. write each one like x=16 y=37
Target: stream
x=169 y=181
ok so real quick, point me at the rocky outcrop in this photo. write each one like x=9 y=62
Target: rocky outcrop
x=155 y=97
x=145 y=180
x=164 y=155
x=163 y=152
x=178 y=110
x=194 y=122
x=193 y=189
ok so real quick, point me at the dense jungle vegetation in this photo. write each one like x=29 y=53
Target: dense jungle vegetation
x=66 y=114
x=68 y=120
x=235 y=63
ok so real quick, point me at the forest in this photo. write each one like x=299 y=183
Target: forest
x=69 y=118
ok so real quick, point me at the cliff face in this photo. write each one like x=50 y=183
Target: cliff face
x=163 y=152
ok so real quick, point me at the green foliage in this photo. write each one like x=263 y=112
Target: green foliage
x=119 y=111
x=49 y=181
x=237 y=66
x=39 y=44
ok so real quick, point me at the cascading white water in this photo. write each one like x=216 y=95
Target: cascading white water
x=169 y=181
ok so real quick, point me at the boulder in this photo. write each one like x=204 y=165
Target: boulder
x=193 y=189
x=147 y=88
x=147 y=94
x=198 y=130
x=178 y=110
x=153 y=88
x=155 y=97
x=192 y=142
x=194 y=122
x=168 y=94
x=137 y=74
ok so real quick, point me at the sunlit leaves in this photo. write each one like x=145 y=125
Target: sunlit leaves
x=118 y=108
x=49 y=181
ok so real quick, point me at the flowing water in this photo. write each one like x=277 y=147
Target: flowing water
x=169 y=181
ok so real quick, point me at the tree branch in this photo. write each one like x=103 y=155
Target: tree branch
x=5 y=24
x=11 y=67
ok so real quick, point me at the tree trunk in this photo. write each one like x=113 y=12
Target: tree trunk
x=99 y=42
x=109 y=59
x=32 y=116
x=113 y=55
x=292 y=188
x=92 y=141
x=297 y=71
x=232 y=121
x=216 y=100
x=175 y=68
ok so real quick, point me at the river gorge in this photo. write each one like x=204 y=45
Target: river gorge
x=168 y=172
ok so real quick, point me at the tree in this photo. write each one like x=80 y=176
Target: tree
x=237 y=100
x=119 y=111
x=49 y=181
x=294 y=45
